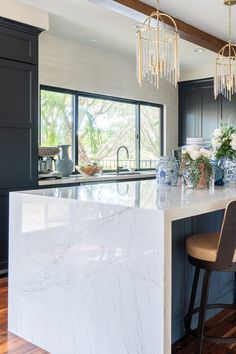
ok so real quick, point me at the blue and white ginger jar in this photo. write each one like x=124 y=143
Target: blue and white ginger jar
x=229 y=168
x=167 y=171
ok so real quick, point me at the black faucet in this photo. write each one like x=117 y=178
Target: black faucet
x=117 y=157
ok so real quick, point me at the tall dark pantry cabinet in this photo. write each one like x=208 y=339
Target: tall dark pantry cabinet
x=199 y=112
x=18 y=117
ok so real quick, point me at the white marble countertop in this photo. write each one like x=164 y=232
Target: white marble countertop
x=177 y=202
x=73 y=179
x=90 y=266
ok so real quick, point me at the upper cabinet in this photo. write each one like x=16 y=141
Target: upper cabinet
x=18 y=43
x=189 y=122
x=199 y=112
x=229 y=110
x=19 y=105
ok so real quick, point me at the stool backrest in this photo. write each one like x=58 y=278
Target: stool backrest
x=227 y=240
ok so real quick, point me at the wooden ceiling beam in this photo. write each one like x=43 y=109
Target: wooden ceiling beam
x=186 y=31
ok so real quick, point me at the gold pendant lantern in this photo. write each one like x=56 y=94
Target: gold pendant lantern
x=225 y=68
x=157 y=49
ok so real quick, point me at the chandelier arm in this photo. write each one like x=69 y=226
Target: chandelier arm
x=222 y=50
x=158 y=16
x=233 y=47
x=154 y=15
x=170 y=18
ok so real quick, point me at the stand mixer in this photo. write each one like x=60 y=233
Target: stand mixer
x=46 y=162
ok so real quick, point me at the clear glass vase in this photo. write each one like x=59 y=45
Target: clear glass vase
x=198 y=178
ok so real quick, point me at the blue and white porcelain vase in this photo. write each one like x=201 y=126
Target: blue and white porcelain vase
x=167 y=171
x=229 y=168
x=218 y=173
x=64 y=164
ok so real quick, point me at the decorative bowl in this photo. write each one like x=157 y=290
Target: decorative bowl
x=90 y=170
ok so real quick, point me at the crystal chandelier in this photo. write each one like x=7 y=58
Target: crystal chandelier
x=225 y=68
x=157 y=49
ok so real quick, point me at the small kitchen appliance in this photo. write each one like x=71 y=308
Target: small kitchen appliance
x=46 y=162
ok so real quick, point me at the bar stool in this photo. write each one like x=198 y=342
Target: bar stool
x=211 y=252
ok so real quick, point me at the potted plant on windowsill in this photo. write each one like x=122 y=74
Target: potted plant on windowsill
x=224 y=150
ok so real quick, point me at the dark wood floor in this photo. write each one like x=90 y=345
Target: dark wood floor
x=226 y=326
x=223 y=324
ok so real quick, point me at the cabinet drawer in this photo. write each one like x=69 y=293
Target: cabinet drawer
x=19 y=46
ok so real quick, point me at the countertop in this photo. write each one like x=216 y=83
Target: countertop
x=74 y=179
x=103 y=253
x=177 y=202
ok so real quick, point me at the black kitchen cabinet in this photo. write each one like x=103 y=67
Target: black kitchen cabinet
x=18 y=117
x=209 y=110
x=18 y=124
x=4 y=214
x=189 y=122
x=199 y=112
x=229 y=110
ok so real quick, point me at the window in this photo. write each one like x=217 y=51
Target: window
x=96 y=126
x=150 y=135
x=57 y=118
x=104 y=125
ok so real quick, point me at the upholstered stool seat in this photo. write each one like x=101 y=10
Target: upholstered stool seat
x=211 y=252
x=204 y=247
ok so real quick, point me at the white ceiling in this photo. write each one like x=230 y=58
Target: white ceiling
x=79 y=19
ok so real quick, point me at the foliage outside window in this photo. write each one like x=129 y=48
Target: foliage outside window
x=96 y=127
x=56 y=118
x=105 y=125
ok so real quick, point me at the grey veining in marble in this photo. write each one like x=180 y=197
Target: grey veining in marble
x=90 y=266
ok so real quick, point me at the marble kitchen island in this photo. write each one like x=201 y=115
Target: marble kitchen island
x=90 y=267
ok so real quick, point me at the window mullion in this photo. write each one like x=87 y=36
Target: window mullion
x=76 y=129
x=137 y=135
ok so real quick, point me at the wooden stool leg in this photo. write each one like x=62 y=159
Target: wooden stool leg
x=189 y=316
x=202 y=313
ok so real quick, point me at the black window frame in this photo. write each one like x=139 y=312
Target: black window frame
x=75 y=133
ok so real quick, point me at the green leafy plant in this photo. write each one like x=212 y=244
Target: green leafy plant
x=224 y=142
x=200 y=171
x=196 y=166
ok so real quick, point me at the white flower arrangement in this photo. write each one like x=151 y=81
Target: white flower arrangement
x=195 y=152
x=224 y=142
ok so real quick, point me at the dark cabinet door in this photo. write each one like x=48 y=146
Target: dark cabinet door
x=4 y=205
x=18 y=117
x=189 y=114
x=209 y=111
x=199 y=112
x=18 y=45
x=18 y=124
x=229 y=110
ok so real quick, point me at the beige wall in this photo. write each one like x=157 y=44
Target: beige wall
x=82 y=67
x=24 y=13
x=200 y=72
